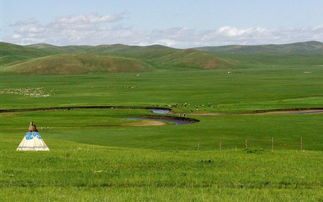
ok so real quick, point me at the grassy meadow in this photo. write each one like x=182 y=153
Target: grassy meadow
x=102 y=155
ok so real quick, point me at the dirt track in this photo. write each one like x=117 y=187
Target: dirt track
x=263 y=112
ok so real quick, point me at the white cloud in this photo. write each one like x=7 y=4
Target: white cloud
x=16 y=36
x=24 y=22
x=87 y=19
x=235 y=32
x=93 y=29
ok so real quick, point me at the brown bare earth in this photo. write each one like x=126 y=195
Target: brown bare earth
x=204 y=114
x=8 y=114
x=138 y=123
x=291 y=112
x=146 y=123
x=310 y=111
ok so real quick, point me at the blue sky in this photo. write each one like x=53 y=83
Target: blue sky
x=177 y=23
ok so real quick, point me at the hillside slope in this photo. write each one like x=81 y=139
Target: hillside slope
x=191 y=58
x=78 y=64
x=162 y=57
x=115 y=49
x=59 y=49
x=311 y=47
x=11 y=53
x=50 y=59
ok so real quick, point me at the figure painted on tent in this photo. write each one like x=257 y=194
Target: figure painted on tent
x=32 y=140
x=32 y=127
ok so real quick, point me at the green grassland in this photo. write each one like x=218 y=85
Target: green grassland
x=98 y=155
x=84 y=172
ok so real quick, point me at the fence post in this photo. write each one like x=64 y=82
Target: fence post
x=220 y=145
x=302 y=148
x=198 y=146
x=272 y=144
x=246 y=143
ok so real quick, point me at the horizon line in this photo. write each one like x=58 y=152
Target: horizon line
x=264 y=44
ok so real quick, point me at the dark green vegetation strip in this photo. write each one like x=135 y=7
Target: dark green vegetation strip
x=313 y=110
x=80 y=107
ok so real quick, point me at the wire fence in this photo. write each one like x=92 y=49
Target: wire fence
x=268 y=144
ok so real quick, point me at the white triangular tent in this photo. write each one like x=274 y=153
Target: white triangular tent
x=32 y=141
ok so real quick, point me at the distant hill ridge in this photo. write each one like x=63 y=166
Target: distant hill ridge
x=310 y=47
x=50 y=59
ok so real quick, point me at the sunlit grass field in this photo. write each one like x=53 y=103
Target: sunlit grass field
x=83 y=172
x=212 y=90
x=96 y=155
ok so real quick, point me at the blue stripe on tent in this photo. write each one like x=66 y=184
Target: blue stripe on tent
x=31 y=135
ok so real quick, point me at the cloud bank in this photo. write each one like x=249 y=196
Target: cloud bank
x=94 y=29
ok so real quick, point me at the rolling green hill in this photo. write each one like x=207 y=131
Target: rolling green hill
x=192 y=58
x=310 y=47
x=296 y=54
x=78 y=64
x=59 y=49
x=11 y=53
x=50 y=59
x=107 y=58
x=157 y=55
x=144 y=52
